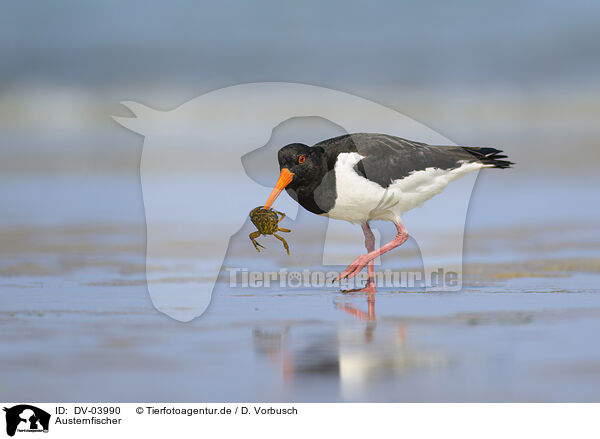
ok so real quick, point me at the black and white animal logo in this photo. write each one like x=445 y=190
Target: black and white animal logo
x=26 y=418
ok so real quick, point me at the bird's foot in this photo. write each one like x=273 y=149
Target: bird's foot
x=368 y=288
x=354 y=268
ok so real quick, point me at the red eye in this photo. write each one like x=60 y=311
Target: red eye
x=301 y=159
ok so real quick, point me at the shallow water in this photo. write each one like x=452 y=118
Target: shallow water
x=77 y=322
x=521 y=340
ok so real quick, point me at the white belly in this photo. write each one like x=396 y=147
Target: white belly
x=359 y=199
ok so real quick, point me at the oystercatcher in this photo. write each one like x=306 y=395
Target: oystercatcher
x=363 y=177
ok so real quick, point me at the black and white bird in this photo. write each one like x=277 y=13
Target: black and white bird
x=363 y=177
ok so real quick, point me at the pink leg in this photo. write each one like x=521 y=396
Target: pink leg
x=370 y=246
x=355 y=267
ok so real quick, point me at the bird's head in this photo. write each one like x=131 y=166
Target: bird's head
x=301 y=166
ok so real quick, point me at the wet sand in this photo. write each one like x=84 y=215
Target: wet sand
x=77 y=323
x=520 y=339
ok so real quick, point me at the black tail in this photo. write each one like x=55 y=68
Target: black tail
x=489 y=156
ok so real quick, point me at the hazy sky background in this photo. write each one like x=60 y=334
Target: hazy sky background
x=425 y=43
x=521 y=74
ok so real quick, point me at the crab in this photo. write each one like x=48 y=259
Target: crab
x=267 y=222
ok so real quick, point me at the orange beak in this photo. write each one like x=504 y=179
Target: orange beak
x=285 y=178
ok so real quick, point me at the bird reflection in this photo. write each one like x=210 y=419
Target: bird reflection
x=357 y=354
x=273 y=343
x=358 y=313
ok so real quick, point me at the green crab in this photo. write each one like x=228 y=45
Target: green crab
x=267 y=222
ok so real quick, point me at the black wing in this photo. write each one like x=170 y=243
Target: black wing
x=388 y=158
